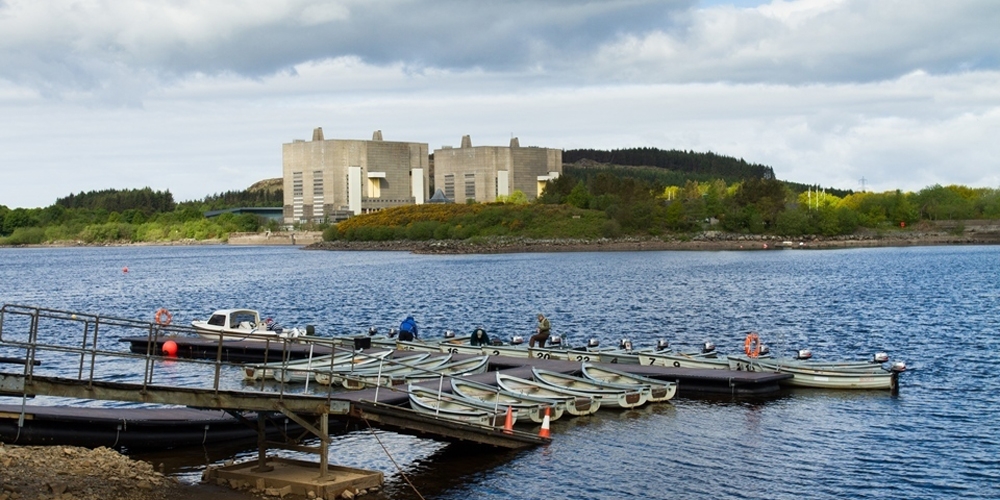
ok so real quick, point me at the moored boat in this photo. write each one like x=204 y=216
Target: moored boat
x=831 y=378
x=656 y=390
x=449 y=406
x=392 y=371
x=576 y=404
x=610 y=396
x=529 y=406
x=241 y=324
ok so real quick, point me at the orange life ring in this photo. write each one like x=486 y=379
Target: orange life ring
x=751 y=345
x=163 y=317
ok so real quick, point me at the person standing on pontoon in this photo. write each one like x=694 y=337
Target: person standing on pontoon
x=408 y=329
x=541 y=333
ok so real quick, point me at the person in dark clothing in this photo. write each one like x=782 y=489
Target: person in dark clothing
x=479 y=337
x=408 y=329
x=542 y=332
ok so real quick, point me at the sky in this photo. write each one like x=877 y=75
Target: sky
x=197 y=96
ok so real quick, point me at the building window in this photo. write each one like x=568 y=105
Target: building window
x=470 y=186
x=449 y=186
x=374 y=187
x=297 y=208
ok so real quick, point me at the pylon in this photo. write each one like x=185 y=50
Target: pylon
x=508 y=424
x=544 y=433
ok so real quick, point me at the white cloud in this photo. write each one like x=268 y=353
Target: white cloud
x=197 y=97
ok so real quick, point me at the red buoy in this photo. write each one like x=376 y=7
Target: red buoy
x=125 y=269
x=170 y=348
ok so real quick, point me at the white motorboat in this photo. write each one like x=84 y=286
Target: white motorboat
x=241 y=324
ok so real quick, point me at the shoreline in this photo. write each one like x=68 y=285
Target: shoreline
x=702 y=242
x=705 y=241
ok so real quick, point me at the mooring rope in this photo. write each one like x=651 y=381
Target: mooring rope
x=398 y=468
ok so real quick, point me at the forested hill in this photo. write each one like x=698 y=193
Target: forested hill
x=681 y=161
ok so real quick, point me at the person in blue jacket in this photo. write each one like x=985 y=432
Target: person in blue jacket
x=408 y=329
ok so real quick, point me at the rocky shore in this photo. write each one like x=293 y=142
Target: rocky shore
x=709 y=240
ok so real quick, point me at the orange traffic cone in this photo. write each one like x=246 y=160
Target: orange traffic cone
x=508 y=424
x=544 y=433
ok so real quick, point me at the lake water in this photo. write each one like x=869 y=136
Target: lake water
x=934 y=307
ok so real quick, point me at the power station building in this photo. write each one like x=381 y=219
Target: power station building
x=332 y=179
x=328 y=180
x=482 y=173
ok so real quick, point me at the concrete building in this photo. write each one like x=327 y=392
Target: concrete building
x=332 y=179
x=482 y=173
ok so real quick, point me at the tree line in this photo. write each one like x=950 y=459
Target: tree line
x=132 y=215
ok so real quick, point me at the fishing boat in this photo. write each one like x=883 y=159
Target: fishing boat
x=803 y=359
x=299 y=369
x=610 y=396
x=468 y=366
x=391 y=371
x=707 y=360
x=476 y=350
x=329 y=375
x=577 y=404
x=241 y=324
x=449 y=406
x=529 y=406
x=513 y=351
x=656 y=390
x=832 y=378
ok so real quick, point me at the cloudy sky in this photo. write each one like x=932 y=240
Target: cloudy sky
x=197 y=96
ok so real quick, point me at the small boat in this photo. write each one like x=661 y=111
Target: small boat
x=832 y=378
x=327 y=375
x=576 y=404
x=476 y=350
x=261 y=371
x=610 y=396
x=500 y=398
x=618 y=357
x=468 y=366
x=240 y=324
x=449 y=406
x=656 y=390
x=513 y=351
x=392 y=371
x=662 y=355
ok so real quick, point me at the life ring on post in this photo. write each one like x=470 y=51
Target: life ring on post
x=751 y=345
x=163 y=317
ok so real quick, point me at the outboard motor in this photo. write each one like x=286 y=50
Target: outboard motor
x=764 y=351
x=803 y=354
x=625 y=345
x=662 y=345
x=707 y=347
x=448 y=334
x=555 y=341
x=372 y=331
x=516 y=340
x=898 y=367
x=880 y=357
x=392 y=332
x=593 y=342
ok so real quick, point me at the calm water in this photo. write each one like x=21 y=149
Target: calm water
x=935 y=308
